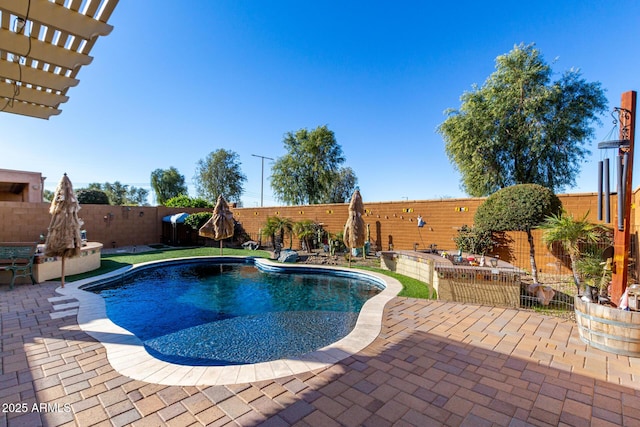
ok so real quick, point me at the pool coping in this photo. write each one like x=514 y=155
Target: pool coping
x=127 y=354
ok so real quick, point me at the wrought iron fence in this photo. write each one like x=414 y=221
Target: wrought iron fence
x=504 y=287
x=555 y=274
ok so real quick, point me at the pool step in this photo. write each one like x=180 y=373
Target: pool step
x=67 y=307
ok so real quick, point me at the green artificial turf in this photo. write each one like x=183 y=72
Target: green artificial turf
x=116 y=261
x=411 y=288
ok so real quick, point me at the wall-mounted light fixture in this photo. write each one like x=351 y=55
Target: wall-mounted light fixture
x=19 y=24
x=108 y=217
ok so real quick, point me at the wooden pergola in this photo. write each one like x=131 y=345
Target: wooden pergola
x=43 y=46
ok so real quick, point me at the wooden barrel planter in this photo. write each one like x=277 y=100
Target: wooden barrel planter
x=609 y=329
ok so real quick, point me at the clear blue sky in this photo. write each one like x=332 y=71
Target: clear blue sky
x=175 y=81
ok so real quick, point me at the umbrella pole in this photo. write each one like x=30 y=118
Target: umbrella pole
x=62 y=274
x=220 y=246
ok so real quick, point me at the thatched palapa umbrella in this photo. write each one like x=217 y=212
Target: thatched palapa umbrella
x=63 y=238
x=354 y=229
x=221 y=225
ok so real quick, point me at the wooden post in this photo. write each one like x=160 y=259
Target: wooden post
x=622 y=238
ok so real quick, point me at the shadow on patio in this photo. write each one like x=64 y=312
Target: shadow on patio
x=433 y=364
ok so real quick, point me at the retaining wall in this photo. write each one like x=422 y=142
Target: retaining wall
x=499 y=286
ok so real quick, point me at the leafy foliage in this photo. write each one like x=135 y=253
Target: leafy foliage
x=121 y=194
x=137 y=196
x=220 y=174
x=520 y=127
x=518 y=208
x=343 y=187
x=593 y=269
x=306 y=230
x=309 y=173
x=168 y=183
x=336 y=241
x=277 y=227
x=474 y=240
x=198 y=219
x=571 y=234
x=184 y=201
x=92 y=197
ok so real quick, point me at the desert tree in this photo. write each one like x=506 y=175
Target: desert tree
x=521 y=127
x=168 y=183
x=220 y=174
x=309 y=171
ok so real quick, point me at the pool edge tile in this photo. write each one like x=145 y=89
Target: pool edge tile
x=127 y=354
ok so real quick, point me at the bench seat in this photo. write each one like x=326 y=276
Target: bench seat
x=18 y=259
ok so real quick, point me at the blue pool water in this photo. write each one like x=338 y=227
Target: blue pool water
x=225 y=314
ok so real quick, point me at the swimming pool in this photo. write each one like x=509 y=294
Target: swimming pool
x=214 y=314
x=128 y=356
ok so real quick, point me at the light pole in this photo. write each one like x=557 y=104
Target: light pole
x=262 y=177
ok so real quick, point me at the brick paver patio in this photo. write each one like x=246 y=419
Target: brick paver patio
x=433 y=363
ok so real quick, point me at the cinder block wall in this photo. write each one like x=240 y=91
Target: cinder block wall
x=390 y=223
x=119 y=225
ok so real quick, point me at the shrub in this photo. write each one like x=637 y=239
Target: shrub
x=520 y=207
x=474 y=240
x=197 y=220
x=517 y=208
x=92 y=197
x=184 y=201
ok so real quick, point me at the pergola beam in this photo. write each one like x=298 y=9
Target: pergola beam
x=39 y=61
x=58 y=17
x=36 y=77
x=31 y=95
x=40 y=51
x=26 y=109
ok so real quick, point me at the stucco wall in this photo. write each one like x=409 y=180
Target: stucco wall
x=21 y=186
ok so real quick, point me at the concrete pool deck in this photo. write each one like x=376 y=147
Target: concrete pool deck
x=432 y=363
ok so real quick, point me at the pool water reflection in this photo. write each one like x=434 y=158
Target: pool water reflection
x=212 y=314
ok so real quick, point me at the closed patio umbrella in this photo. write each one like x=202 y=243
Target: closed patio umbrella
x=354 y=229
x=221 y=225
x=63 y=238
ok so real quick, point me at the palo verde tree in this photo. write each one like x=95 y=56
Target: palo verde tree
x=520 y=207
x=310 y=169
x=220 y=174
x=168 y=183
x=521 y=127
